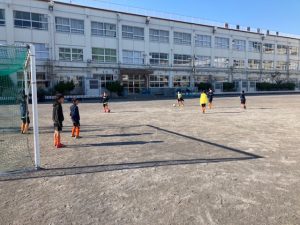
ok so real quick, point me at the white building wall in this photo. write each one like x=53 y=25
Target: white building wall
x=54 y=40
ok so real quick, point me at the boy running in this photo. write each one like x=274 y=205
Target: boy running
x=180 y=99
x=243 y=100
x=24 y=115
x=58 y=118
x=210 y=98
x=74 y=113
x=203 y=101
x=105 y=100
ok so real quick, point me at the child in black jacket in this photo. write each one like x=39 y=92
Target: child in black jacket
x=58 y=118
x=243 y=100
x=74 y=113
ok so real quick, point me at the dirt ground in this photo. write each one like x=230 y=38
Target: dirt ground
x=149 y=163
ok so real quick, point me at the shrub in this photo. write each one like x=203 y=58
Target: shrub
x=204 y=86
x=228 y=87
x=264 y=86
x=64 y=87
x=115 y=87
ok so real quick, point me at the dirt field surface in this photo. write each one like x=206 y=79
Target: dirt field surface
x=149 y=163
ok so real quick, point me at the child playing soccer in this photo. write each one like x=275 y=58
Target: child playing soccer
x=210 y=98
x=105 y=99
x=58 y=118
x=74 y=113
x=24 y=114
x=180 y=99
x=243 y=100
x=203 y=101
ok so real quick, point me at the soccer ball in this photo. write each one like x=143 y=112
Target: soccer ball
x=174 y=105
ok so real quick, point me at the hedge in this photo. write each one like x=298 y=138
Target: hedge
x=264 y=86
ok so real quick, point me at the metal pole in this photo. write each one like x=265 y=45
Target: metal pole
x=34 y=108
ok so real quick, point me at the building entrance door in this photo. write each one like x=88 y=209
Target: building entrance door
x=134 y=84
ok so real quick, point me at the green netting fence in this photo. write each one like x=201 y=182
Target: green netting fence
x=15 y=148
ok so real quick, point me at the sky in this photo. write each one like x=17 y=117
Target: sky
x=276 y=15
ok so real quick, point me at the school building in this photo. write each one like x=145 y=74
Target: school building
x=146 y=53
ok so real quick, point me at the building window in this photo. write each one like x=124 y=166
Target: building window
x=104 y=79
x=159 y=81
x=67 y=25
x=254 y=46
x=203 y=41
x=104 y=29
x=161 y=36
x=282 y=49
x=133 y=57
x=221 y=42
x=221 y=62
x=184 y=60
x=239 y=45
x=30 y=20
x=181 y=81
x=281 y=65
x=239 y=63
x=94 y=84
x=203 y=61
x=254 y=64
x=182 y=38
x=159 y=58
x=268 y=65
x=2 y=17
x=129 y=32
x=41 y=52
x=293 y=65
x=104 y=55
x=70 y=54
x=294 y=50
x=268 y=48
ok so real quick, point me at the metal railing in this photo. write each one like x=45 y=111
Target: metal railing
x=102 y=4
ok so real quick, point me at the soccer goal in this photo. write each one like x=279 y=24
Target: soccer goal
x=19 y=129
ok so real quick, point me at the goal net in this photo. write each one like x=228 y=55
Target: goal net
x=19 y=145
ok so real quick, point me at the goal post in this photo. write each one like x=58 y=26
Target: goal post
x=18 y=80
x=35 y=113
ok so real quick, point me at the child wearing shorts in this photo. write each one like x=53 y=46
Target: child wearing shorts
x=203 y=101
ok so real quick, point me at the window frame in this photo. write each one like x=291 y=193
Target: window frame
x=105 y=32
x=133 y=59
x=162 y=61
x=219 y=44
x=159 y=37
x=217 y=63
x=30 y=21
x=158 y=81
x=2 y=20
x=203 y=41
x=200 y=61
x=127 y=34
x=253 y=45
x=106 y=56
x=179 y=38
x=239 y=45
x=71 y=53
x=69 y=24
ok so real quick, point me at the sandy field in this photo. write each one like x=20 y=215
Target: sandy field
x=149 y=163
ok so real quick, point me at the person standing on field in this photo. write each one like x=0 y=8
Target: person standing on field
x=243 y=100
x=203 y=101
x=75 y=116
x=210 y=97
x=58 y=118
